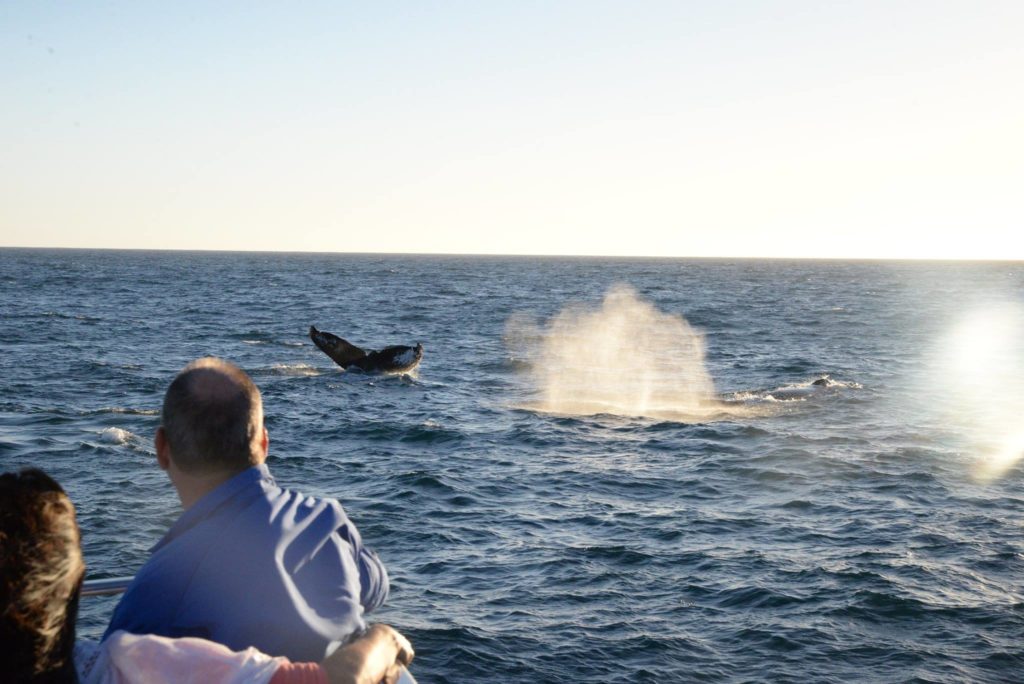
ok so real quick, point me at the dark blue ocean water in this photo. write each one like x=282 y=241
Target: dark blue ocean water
x=871 y=529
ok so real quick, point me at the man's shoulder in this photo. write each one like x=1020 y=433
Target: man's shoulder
x=292 y=503
x=246 y=528
x=264 y=492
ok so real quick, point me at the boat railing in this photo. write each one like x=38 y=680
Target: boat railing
x=105 y=587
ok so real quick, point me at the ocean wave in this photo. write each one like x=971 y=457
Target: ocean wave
x=748 y=597
x=121 y=410
x=276 y=343
x=430 y=433
x=710 y=412
x=101 y=364
x=69 y=317
x=423 y=480
x=543 y=548
x=292 y=370
x=804 y=390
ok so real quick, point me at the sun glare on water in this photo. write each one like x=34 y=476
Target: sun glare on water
x=980 y=378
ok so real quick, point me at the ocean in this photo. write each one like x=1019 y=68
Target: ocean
x=604 y=470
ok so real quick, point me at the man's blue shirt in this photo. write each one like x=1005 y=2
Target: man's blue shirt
x=252 y=564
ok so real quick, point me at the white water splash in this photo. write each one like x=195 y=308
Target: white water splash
x=113 y=435
x=294 y=369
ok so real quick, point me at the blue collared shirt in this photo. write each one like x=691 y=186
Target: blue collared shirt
x=252 y=564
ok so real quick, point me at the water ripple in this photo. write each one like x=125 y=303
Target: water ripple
x=837 y=535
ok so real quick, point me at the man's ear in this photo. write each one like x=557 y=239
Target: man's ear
x=163 y=449
x=265 y=443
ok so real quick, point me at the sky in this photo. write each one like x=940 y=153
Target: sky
x=862 y=129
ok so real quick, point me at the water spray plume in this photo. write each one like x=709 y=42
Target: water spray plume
x=625 y=358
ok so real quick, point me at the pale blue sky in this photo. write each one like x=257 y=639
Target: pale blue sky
x=865 y=129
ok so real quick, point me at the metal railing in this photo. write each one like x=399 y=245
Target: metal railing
x=105 y=587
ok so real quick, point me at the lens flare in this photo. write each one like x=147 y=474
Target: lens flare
x=1003 y=457
x=979 y=376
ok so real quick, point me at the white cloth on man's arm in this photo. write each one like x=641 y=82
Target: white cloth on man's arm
x=125 y=658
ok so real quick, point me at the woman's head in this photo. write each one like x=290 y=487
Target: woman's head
x=41 y=571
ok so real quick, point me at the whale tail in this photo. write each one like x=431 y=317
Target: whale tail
x=342 y=352
x=393 y=359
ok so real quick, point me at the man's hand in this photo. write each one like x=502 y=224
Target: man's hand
x=375 y=657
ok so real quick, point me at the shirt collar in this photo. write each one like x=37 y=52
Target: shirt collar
x=214 y=499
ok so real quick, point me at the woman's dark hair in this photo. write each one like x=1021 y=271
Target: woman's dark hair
x=41 y=573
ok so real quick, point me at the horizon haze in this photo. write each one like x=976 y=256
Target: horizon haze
x=739 y=130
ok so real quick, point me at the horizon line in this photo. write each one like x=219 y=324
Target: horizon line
x=519 y=255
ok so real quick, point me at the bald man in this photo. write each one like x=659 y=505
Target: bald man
x=248 y=563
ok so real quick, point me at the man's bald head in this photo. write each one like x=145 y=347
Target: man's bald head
x=213 y=418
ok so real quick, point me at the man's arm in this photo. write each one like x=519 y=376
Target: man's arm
x=372 y=658
x=374 y=584
x=339 y=578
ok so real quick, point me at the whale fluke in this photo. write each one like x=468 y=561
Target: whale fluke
x=393 y=359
